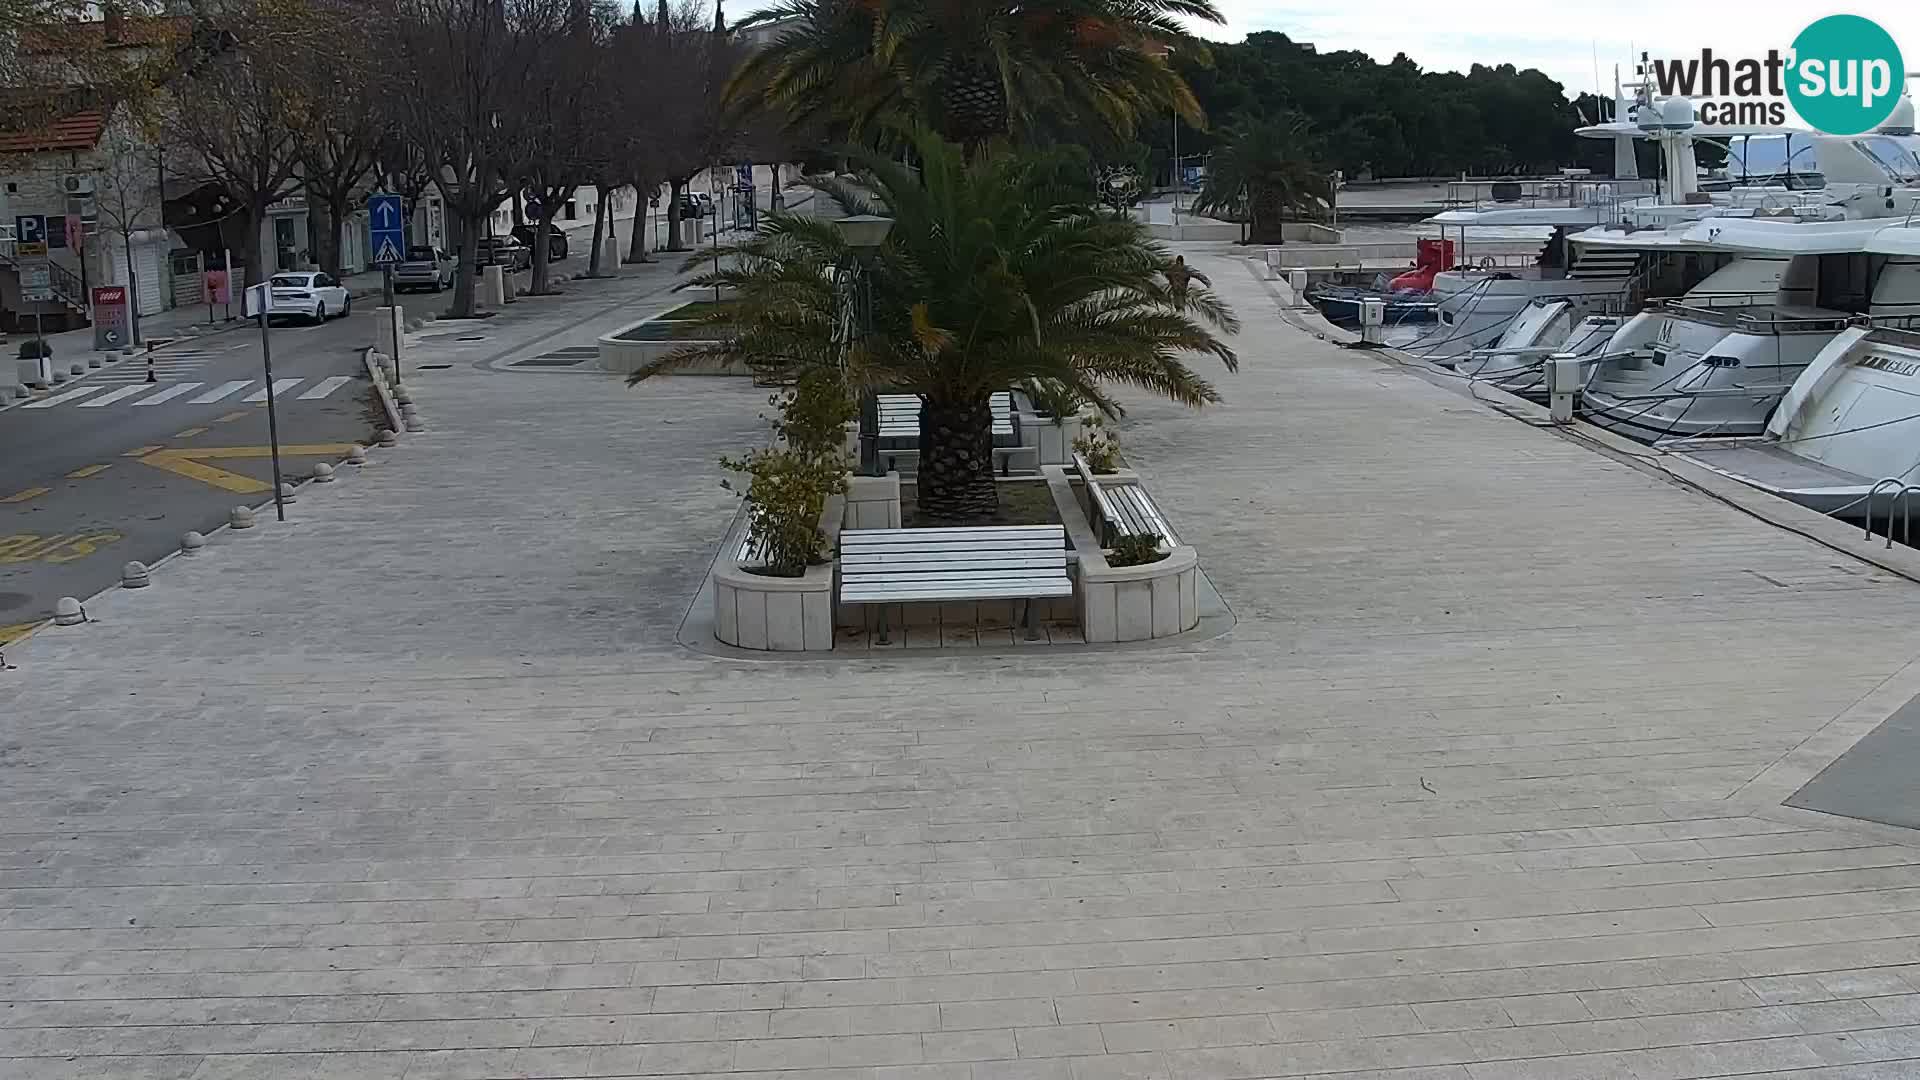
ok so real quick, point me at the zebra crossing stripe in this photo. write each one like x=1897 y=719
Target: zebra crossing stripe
x=325 y=387
x=225 y=389
x=280 y=386
x=170 y=393
x=70 y=395
x=115 y=395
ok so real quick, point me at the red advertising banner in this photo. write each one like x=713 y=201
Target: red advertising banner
x=218 y=289
x=76 y=233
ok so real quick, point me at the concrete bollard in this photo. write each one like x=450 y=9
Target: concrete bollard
x=389 y=328
x=610 y=256
x=68 y=612
x=60 y=375
x=192 y=543
x=241 y=518
x=323 y=473
x=408 y=410
x=402 y=395
x=388 y=438
x=415 y=426
x=288 y=493
x=493 y=286
x=357 y=455
x=134 y=576
x=96 y=360
x=78 y=367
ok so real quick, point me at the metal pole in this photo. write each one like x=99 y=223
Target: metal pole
x=40 y=336
x=1176 y=168
x=273 y=418
x=386 y=283
x=228 y=306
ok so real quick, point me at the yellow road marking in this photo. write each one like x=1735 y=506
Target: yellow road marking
x=241 y=415
x=15 y=632
x=189 y=463
x=141 y=451
x=189 y=433
x=82 y=474
x=23 y=496
x=58 y=548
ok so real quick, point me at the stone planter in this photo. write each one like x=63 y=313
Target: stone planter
x=1056 y=439
x=1124 y=603
x=625 y=355
x=751 y=611
x=873 y=502
x=772 y=614
x=1139 y=603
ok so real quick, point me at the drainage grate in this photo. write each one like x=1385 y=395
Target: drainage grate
x=435 y=367
x=567 y=357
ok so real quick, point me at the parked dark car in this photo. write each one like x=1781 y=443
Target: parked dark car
x=690 y=207
x=504 y=251
x=556 y=240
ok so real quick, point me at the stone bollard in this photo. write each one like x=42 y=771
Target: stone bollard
x=402 y=395
x=134 y=576
x=287 y=493
x=388 y=438
x=241 y=518
x=96 y=360
x=414 y=425
x=192 y=543
x=357 y=455
x=493 y=286
x=408 y=410
x=610 y=259
x=389 y=328
x=68 y=612
x=78 y=367
x=323 y=473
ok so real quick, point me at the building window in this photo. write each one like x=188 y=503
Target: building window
x=572 y=211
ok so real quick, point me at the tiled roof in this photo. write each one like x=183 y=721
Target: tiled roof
x=80 y=131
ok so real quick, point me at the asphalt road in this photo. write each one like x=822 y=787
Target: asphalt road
x=110 y=469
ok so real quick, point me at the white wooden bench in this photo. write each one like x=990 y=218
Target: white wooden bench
x=1124 y=509
x=899 y=432
x=1005 y=562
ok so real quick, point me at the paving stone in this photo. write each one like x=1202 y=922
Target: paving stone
x=1464 y=795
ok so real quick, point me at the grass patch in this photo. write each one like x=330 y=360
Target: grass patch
x=1021 y=503
x=694 y=309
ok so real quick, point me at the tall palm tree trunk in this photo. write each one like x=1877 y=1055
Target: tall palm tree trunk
x=956 y=459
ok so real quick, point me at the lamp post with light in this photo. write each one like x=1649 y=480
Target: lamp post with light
x=863 y=234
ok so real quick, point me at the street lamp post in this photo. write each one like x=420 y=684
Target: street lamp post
x=863 y=233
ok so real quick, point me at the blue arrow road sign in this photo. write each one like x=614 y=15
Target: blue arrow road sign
x=386 y=229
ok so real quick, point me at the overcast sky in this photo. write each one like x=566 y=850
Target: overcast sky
x=1560 y=37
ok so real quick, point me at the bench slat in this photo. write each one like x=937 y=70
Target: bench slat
x=981 y=591
x=867 y=564
x=983 y=531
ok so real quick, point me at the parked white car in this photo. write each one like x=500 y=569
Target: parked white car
x=309 y=295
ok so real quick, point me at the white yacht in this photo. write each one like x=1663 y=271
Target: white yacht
x=1845 y=439
x=1797 y=271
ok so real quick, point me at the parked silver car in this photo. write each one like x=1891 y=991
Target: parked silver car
x=426 y=268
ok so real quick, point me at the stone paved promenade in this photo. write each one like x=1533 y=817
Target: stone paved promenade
x=1484 y=785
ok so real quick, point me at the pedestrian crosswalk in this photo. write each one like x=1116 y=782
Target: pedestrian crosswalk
x=167 y=365
x=101 y=395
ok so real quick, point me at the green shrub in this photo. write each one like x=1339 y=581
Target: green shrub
x=788 y=486
x=35 y=348
x=1135 y=549
x=1099 y=445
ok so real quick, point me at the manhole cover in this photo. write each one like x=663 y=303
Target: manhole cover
x=13 y=600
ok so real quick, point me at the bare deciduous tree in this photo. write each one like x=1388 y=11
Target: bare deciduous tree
x=462 y=70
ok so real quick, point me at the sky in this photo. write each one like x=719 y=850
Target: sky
x=1560 y=37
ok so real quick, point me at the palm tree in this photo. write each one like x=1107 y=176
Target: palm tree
x=974 y=70
x=1266 y=171
x=998 y=271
